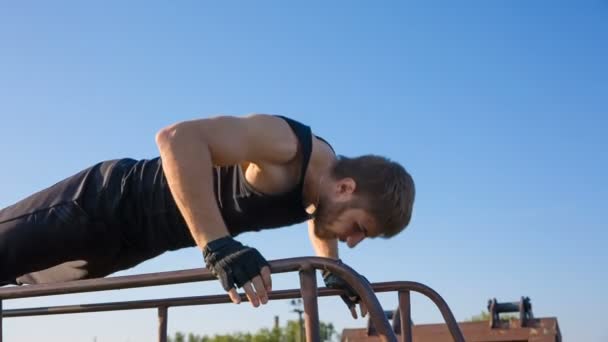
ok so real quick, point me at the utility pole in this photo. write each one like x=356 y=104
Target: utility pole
x=298 y=309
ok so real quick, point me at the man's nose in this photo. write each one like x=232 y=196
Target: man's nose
x=354 y=239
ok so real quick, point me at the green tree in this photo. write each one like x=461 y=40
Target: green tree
x=179 y=337
x=485 y=316
x=289 y=333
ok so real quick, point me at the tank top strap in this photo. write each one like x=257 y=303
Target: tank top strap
x=304 y=135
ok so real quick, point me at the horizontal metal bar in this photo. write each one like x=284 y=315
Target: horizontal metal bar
x=212 y=299
x=133 y=281
x=221 y=299
x=365 y=290
x=277 y=266
x=153 y=303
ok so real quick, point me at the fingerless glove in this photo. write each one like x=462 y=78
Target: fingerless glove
x=232 y=262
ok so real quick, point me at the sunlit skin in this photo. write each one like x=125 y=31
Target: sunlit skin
x=271 y=163
x=339 y=214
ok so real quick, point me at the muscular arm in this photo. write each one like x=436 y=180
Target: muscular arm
x=329 y=249
x=322 y=248
x=187 y=165
x=189 y=150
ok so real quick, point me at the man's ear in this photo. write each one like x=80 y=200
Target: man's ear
x=345 y=188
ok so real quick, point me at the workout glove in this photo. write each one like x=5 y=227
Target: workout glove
x=232 y=262
x=350 y=297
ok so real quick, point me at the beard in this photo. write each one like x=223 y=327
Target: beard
x=326 y=213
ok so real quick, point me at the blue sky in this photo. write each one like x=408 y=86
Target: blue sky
x=497 y=108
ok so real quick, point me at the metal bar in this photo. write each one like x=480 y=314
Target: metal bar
x=103 y=284
x=160 y=278
x=308 y=288
x=125 y=282
x=162 y=324
x=405 y=316
x=432 y=295
x=1 y=322
x=522 y=314
x=153 y=303
x=365 y=292
x=507 y=307
x=219 y=299
x=278 y=266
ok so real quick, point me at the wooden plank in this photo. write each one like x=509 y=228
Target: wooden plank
x=540 y=330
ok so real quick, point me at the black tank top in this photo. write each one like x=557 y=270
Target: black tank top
x=245 y=209
x=147 y=208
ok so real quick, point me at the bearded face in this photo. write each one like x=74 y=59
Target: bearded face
x=326 y=214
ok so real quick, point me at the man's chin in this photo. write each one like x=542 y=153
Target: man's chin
x=324 y=234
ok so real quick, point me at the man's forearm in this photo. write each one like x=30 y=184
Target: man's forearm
x=322 y=248
x=188 y=168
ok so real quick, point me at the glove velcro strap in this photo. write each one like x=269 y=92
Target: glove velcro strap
x=232 y=263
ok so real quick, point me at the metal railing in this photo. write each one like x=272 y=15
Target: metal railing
x=308 y=292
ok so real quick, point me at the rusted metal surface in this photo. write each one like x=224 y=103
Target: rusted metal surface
x=308 y=292
x=308 y=286
x=523 y=307
x=168 y=278
x=530 y=330
x=405 y=316
x=432 y=295
x=154 y=303
x=162 y=323
x=110 y=283
x=541 y=330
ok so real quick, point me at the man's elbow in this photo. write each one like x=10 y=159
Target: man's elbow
x=175 y=135
x=163 y=137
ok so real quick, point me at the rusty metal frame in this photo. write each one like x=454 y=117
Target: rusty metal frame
x=308 y=291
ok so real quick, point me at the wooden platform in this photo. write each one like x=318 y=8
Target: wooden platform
x=540 y=330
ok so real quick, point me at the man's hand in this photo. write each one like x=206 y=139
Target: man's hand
x=351 y=298
x=235 y=264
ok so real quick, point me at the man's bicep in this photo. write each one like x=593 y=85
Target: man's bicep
x=253 y=138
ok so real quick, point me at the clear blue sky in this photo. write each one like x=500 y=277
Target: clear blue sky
x=497 y=108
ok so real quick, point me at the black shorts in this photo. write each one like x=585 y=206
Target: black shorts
x=109 y=217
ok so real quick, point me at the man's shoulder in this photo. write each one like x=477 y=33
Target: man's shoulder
x=326 y=143
x=295 y=123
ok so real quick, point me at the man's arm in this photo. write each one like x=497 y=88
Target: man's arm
x=189 y=150
x=322 y=248
x=329 y=249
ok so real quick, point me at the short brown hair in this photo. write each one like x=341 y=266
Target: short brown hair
x=386 y=188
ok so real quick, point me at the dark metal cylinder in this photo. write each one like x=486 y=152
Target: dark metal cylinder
x=1 y=322
x=405 y=313
x=162 y=324
x=308 y=287
x=507 y=307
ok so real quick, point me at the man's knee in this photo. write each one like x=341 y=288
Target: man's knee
x=71 y=270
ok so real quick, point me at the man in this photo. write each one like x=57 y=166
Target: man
x=215 y=178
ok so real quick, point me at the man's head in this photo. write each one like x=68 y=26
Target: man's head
x=367 y=196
